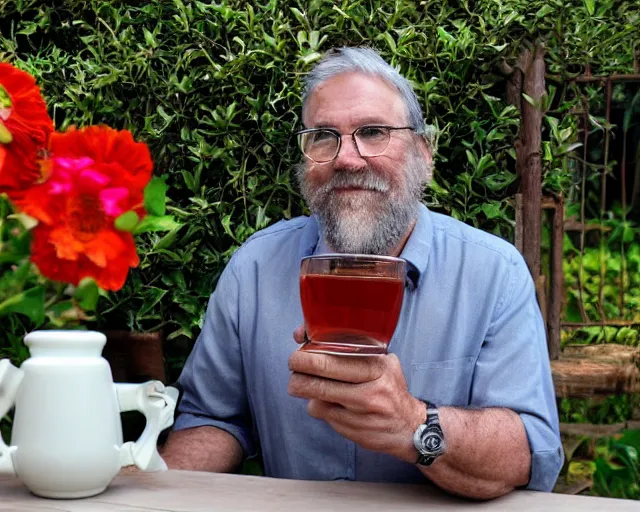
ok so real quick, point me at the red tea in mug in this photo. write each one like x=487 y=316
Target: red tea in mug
x=349 y=313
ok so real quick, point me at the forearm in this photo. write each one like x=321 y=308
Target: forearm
x=202 y=449
x=487 y=453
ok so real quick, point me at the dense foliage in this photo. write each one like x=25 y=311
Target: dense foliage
x=214 y=89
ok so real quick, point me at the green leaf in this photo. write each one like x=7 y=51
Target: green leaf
x=595 y=122
x=127 y=221
x=531 y=101
x=155 y=196
x=568 y=149
x=151 y=223
x=312 y=57
x=27 y=221
x=155 y=296
x=189 y=180
x=87 y=294
x=492 y=210
x=544 y=10
x=628 y=233
x=168 y=239
x=29 y=303
x=149 y=38
x=591 y=6
x=299 y=16
x=443 y=35
x=472 y=158
x=388 y=38
x=269 y=40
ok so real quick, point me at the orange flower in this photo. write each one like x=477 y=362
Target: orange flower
x=24 y=129
x=94 y=175
x=61 y=256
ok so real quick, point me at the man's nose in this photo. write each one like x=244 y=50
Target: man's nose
x=348 y=157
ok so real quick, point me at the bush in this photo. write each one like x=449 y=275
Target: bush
x=214 y=89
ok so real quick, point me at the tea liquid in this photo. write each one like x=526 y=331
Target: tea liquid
x=356 y=309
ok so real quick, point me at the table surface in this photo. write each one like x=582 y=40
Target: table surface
x=189 y=491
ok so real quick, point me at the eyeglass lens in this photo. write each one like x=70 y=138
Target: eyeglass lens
x=323 y=145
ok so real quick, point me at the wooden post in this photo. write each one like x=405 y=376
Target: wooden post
x=528 y=152
x=527 y=78
x=557 y=279
x=519 y=223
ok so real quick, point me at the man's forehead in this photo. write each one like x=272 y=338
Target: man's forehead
x=354 y=99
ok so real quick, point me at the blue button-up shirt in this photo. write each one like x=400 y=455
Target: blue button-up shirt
x=470 y=334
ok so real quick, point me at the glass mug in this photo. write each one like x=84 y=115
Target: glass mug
x=351 y=302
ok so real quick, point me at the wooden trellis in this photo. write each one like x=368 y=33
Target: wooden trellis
x=580 y=371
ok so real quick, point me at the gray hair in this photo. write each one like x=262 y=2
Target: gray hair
x=364 y=60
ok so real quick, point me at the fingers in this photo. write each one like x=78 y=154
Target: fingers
x=320 y=409
x=355 y=370
x=345 y=422
x=315 y=388
x=299 y=334
x=333 y=414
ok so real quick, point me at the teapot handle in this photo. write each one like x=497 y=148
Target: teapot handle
x=10 y=379
x=157 y=403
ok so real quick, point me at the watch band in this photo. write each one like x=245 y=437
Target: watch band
x=433 y=418
x=429 y=437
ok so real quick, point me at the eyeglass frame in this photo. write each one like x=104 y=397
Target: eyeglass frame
x=353 y=138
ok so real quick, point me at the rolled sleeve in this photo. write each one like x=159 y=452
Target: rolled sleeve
x=213 y=383
x=513 y=371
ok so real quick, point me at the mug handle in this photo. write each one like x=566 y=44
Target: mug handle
x=10 y=379
x=157 y=403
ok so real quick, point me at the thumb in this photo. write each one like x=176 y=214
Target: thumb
x=299 y=334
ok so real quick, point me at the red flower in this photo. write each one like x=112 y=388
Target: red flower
x=61 y=256
x=24 y=129
x=94 y=175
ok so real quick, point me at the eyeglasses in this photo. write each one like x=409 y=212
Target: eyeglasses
x=323 y=144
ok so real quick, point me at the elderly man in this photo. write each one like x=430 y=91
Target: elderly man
x=465 y=397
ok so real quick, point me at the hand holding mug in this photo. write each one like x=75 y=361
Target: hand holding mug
x=365 y=399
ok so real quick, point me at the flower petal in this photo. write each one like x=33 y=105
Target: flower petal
x=112 y=199
x=66 y=245
x=106 y=246
x=27 y=121
x=73 y=163
x=43 y=255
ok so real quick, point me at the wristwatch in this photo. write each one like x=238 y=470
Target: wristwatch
x=429 y=438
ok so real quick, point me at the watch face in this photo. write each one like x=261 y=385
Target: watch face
x=432 y=441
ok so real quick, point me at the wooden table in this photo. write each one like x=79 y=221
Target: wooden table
x=188 y=491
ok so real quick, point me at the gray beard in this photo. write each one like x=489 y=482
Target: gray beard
x=366 y=222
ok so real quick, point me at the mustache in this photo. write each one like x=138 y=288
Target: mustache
x=365 y=179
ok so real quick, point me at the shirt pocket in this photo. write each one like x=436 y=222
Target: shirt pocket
x=443 y=382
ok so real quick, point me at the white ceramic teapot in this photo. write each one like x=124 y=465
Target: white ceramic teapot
x=67 y=436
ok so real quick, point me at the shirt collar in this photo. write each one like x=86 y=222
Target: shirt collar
x=415 y=252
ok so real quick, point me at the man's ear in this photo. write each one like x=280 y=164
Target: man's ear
x=425 y=150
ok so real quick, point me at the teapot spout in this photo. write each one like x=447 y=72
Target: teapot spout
x=10 y=379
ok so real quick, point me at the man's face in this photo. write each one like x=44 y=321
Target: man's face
x=365 y=204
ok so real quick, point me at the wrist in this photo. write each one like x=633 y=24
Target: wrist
x=429 y=438
x=416 y=415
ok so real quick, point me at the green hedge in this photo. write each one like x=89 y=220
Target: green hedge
x=214 y=89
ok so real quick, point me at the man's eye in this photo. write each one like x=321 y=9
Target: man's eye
x=372 y=132
x=322 y=137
